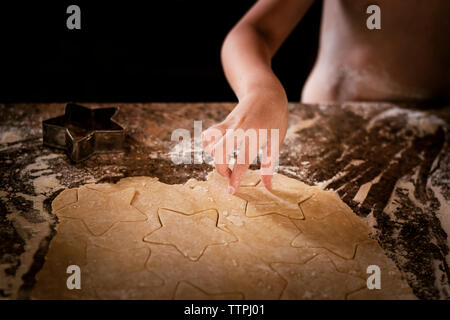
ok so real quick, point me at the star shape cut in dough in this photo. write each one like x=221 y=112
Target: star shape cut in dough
x=190 y=234
x=125 y=235
x=321 y=205
x=187 y=291
x=284 y=198
x=136 y=281
x=65 y=198
x=336 y=233
x=317 y=279
x=327 y=203
x=270 y=237
x=392 y=285
x=251 y=178
x=100 y=211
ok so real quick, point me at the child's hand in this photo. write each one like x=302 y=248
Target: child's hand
x=260 y=109
x=246 y=58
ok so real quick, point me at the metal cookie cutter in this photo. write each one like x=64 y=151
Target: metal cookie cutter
x=83 y=131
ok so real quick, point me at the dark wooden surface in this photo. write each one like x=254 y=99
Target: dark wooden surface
x=389 y=163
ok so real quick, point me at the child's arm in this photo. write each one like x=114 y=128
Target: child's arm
x=246 y=57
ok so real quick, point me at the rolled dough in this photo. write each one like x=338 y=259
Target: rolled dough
x=143 y=239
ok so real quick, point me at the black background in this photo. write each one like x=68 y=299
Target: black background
x=133 y=51
x=125 y=309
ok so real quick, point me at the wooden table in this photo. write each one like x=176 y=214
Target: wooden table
x=389 y=163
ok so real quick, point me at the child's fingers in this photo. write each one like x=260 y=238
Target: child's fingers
x=247 y=142
x=210 y=141
x=247 y=153
x=270 y=155
x=267 y=167
x=267 y=181
x=221 y=151
x=223 y=170
x=236 y=177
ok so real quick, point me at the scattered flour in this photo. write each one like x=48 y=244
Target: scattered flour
x=33 y=233
x=10 y=136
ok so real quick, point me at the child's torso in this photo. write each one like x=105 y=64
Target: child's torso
x=407 y=59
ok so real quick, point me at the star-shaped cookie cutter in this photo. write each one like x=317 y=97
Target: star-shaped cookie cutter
x=83 y=131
